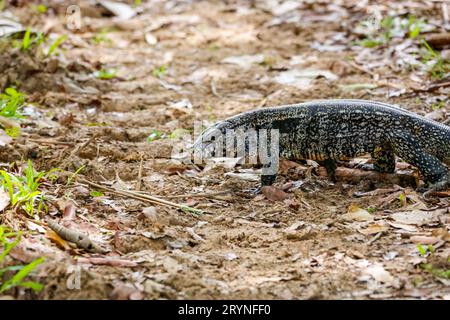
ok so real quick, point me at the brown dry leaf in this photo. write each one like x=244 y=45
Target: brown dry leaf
x=244 y=61
x=379 y=191
x=442 y=233
x=124 y=291
x=424 y=239
x=357 y=214
x=374 y=228
x=4 y=199
x=171 y=265
x=442 y=194
x=274 y=194
x=35 y=227
x=69 y=211
x=54 y=237
x=416 y=217
x=175 y=169
x=380 y=274
x=405 y=227
x=5 y=139
x=286 y=165
x=246 y=176
x=292 y=203
x=150 y=213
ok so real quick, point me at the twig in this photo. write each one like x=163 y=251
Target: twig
x=48 y=141
x=199 y=195
x=79 y=148
x=213 y=88
x=79 y=239
x=139 y=179
x=76 y=151
x=434 y=87
x=362 y=69
x=143 y=197
x=375 y=238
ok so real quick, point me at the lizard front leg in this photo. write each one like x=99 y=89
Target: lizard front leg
x=383 y=160
x=433 y=171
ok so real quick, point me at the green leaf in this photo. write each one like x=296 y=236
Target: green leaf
x=26 y=41
x=194 y=211
x=422 y=250
x=17 y=278
x=370 y=43
x=155 y=135
x=56 y=44
x=96 y=194
x=159 y=72
x=13 y=132
x=105 y=74
x=41 y=8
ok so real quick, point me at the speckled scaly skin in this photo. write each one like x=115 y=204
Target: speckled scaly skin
x=330 y=130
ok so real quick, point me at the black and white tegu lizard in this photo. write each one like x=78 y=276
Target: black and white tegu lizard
x=330 y=130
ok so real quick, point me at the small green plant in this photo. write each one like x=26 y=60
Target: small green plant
x=371 y=210
x=97 y=124
x=438 y=272
x=402 y=198
x=13 y=132
x=370 y=43
x=387 y=26
x=96 y=194
x=187 y=209
x=106 y=74
x=29 y=39
x=423 y=251
x=101 y=37
x=380 y=33
x=178 y=133
x=414 y=27
x=23 y=189
x=8 y=240
x=437 y=106
x=159 y=72
x=11 y=101
x=75 y=174
x=438 y=67
x=56 y=44
x=155 y=135
x=41 y=8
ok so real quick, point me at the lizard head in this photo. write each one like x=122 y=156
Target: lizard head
x=209 y=143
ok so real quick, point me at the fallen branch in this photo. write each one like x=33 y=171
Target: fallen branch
x=79 y=239
x=355 y=176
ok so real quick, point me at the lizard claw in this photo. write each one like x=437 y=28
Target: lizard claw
x=441 y=185
x=365 y=166
x=254 y=191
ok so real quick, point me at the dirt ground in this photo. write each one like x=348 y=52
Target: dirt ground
x=183 y=61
